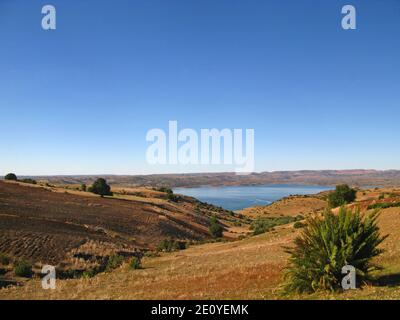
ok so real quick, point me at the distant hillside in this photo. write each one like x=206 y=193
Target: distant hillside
x=312 y=177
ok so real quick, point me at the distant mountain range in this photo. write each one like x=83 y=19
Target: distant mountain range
x=358 y=177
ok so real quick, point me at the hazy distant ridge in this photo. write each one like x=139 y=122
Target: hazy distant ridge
x=358 y=177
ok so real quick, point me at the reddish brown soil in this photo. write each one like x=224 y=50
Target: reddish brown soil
x=42 y=225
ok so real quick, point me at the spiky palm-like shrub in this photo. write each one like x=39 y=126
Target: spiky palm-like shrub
x=327 y=244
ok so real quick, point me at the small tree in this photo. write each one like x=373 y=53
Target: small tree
x=342 y=195
x=101 y=188
x=329 y=243
x=83 y=187
x=11 y=176
x=215 y=229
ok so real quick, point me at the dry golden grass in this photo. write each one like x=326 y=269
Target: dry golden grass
x=250 y=268
x=247 y=269
x=290 y=206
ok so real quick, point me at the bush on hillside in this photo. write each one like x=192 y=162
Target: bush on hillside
x=135 y=263
x=298 y=225
x=31 y=181
x=327 y=244
x=90 y=273
x=114 y=261
x=169 y=245
x=262 y=225
x=215 y=229
x=11 y=177
x=164 y=189
x=342 y=195
x=23 y=269
x=172 y=197
x=384 y=205
x=4 y=260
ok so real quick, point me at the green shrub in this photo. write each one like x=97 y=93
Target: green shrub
x=262 y=225
x=326 y=245
x=384 y=205
x=114 y=261
x=69 y=274
x=215 y=229
x=165 y=245
x=31 y=181
x=298 y=225
x=23 y=269
x=11 y=176
x=83 y=187
x=151 y=254
x=135 y=263
x=90 y=273
x=171 y=196
x=164 y=189
x=4 y=260
x=169 y=245
x=180 y=245
x=342 y=195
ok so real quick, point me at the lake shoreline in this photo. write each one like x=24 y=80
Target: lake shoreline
x=237 y=198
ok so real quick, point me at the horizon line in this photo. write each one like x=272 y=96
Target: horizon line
x=198 y=173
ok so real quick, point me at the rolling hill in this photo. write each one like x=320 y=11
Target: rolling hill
x=75 y=230
x=250 y=268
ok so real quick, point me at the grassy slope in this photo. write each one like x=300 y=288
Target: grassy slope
x=245 y=269
x=52 y=225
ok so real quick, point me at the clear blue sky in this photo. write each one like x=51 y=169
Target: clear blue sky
x=80 y=99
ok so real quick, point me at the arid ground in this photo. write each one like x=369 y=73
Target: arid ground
x=240 y=267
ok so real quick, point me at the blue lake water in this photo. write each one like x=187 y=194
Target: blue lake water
x=239 y=197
